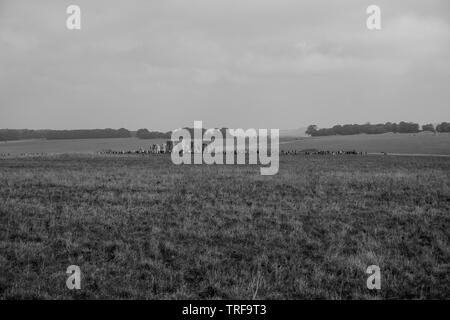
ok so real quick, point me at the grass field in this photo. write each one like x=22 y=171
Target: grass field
x=74 y=146
x=421 y=143
x=140 y=227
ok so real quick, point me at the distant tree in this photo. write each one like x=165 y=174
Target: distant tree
x=408 y=127
x=391 y=127
x=428 y=127
x=338 y=129
x=9 y=135
x=143 y=134
x=123 y=133
x=311 y=130
x=443 y=127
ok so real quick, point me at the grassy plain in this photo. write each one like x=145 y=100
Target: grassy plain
x=417 y=143
x=141 y=227
x=420 y=143
x=75 y=146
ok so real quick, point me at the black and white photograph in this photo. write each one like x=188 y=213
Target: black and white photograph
x=222 y=154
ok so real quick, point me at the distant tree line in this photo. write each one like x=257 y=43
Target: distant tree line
x=22 y=134
x=350 y=129
x=88 y=134
x=313 y=130
x=14 y=134
x=443 y=127
x=146 y=134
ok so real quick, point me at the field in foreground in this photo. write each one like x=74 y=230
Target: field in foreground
x=140 y=227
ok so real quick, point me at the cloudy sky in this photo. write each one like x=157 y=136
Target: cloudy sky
x=161 y=64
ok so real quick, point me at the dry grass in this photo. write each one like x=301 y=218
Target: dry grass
x=140 y=227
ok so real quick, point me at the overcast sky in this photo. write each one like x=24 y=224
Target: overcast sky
x=161 y=64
